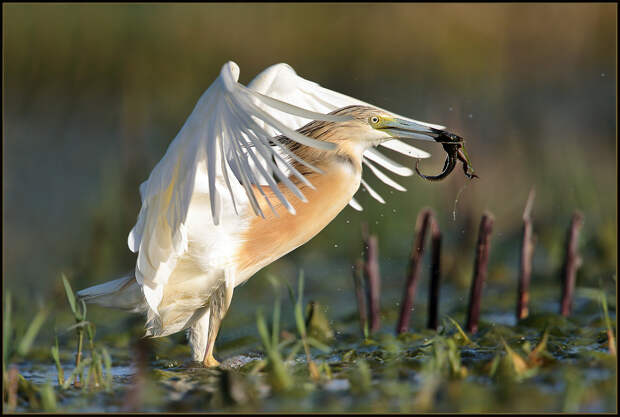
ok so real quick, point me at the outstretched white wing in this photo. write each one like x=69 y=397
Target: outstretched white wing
x=281 y=82
x=230 y=127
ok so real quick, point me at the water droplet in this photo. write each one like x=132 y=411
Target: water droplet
x=335 y=245
x=348 y=221
x=393 y=210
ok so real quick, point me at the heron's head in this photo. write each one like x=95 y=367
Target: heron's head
x=368 y=126
x=364 y=126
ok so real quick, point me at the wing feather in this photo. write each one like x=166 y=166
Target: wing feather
x=372 y=192
x=222 y=136
x=387 y=180
x=230 y=138
x=280 y=82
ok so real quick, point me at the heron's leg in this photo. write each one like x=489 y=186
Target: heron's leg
x=219 y=307
x=209 y=361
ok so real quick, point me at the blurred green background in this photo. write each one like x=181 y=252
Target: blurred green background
x=93 y=95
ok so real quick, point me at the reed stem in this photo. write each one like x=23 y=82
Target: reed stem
x=358 y=280
x=525 y=260
x=413 y=270
x=373 y=279
x=433 y=294
x=480 y=271
x=572 y=262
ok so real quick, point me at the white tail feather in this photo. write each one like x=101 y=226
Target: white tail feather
x=123 y=293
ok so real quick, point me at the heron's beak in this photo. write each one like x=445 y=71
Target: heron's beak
x=406 y=129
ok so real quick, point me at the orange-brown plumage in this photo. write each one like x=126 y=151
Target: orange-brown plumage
x=266 y=240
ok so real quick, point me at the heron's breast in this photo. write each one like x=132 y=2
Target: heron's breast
x=268 y=239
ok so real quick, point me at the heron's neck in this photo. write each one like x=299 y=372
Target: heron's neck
x=347 y=154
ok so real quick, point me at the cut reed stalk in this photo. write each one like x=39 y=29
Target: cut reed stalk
x=525 y=260
x=413 y=270
x=358 y=280
x=572 y=262
x=373 y=281
x=433 y=294
x=480 y=271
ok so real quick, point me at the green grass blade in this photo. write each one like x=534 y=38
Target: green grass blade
x=83 y=314
x=299 y=320
x=107 y=362
x=31 y=333
x=466 y=339
x=300 y=287
x=90 y=331
x=262 y=330
x=87 y=381
x=76 y=371
x=610 y=332
x=291 y=293
x=294 y=350
x=48 y=397
x=98 y=369
x=312 y=341
x=275 y=331
x=56 y=356
x=70 y=296
x=603 y=298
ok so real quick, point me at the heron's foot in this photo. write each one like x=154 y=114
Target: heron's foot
x=210 y=362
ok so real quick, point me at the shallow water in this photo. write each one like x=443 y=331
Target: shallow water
x=423 y=370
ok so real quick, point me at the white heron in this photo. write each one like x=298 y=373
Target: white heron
x=254 y=173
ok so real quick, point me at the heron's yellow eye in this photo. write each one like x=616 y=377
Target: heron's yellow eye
x=374 y=120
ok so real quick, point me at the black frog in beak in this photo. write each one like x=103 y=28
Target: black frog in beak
x=455 y=149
